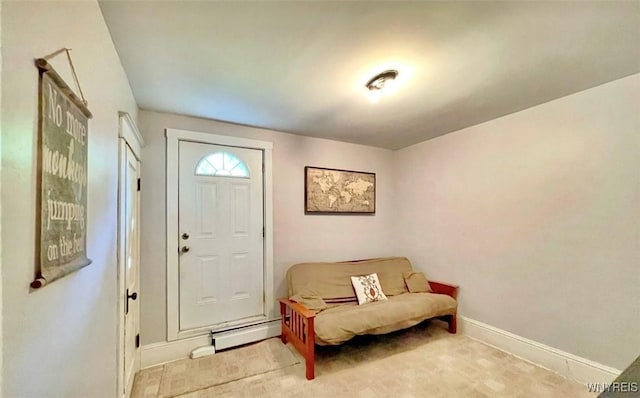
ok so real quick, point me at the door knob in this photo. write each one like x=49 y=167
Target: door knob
x=184 y=249
x=185 y=236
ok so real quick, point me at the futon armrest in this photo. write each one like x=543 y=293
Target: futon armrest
x=444 y=288
x=298 y=329
x=297 y=307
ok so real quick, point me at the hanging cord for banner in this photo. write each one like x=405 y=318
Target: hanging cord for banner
x=73 y=69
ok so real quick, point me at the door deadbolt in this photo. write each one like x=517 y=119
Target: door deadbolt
x=133 y=297
x=184 y=249
x=185 y=236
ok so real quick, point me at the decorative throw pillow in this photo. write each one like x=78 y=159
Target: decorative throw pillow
x=367 y=288
x=416 y=282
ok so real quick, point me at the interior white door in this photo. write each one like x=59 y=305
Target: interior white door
x=131 y=236
x=220 y=220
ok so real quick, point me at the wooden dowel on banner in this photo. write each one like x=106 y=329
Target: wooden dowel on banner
x=38 y=283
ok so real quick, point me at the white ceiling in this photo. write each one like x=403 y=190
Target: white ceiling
x=300 y=67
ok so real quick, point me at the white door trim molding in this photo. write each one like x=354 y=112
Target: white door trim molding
x=568 y=365
x=173 y=304
x=130 y=133
x=131 y=137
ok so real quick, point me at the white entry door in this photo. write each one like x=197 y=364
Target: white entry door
x=221 y=226
x=130 y=230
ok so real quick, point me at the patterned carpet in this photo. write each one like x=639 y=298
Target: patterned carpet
x=423 y=361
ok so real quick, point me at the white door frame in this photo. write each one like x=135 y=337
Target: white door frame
x=129 y=136
x=174 y=136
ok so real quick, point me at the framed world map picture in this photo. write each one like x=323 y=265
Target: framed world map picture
x=338 y=191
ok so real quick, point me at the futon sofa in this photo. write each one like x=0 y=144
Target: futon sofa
x=322 y=307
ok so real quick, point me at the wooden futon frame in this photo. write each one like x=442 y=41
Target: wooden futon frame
x=298 y=323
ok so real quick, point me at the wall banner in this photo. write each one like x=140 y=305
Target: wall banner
x=62 y=178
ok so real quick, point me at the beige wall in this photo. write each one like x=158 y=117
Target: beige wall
x=536 y=216
x=60 y=340
x=297 y=237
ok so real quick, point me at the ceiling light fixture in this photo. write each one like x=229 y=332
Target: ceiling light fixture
x=377 y=83
x=380 y=80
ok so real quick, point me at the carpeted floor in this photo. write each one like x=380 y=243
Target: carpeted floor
x=181 y=377
x=423 y=361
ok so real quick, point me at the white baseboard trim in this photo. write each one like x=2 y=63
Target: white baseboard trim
x=568 y=365
x=246 y=335
x=167 y=351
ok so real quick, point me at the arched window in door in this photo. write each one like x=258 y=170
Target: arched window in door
x=222 y=164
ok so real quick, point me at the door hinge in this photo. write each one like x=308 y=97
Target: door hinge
x=263 y=232
x=138 y=184
x=137 y=340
